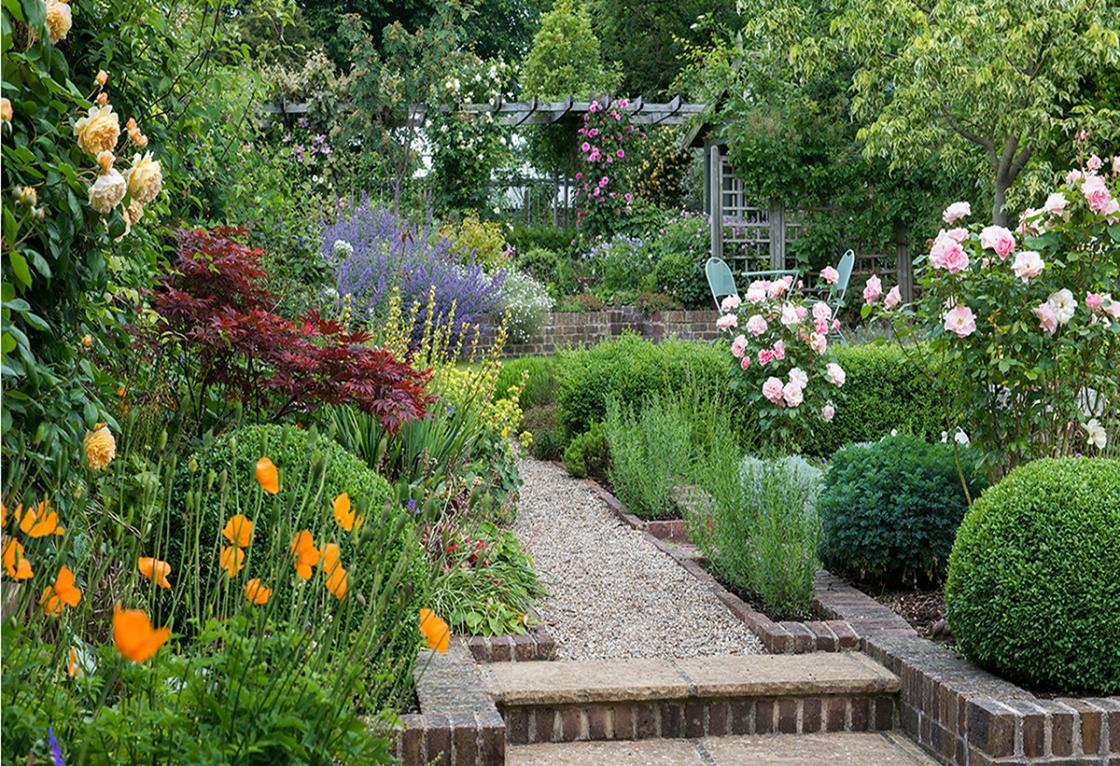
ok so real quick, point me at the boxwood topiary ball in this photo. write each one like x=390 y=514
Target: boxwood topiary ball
x=1034 y=579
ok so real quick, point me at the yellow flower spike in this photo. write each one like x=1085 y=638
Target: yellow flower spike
x=16 y=564
x=61 y=593
x=238 y=530
x=134 y=636
x=344 y=516
x=256 y=593
x=435 y=631
x=267 y=476
x=232 y=560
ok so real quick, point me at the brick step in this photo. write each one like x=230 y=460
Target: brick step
x=563 y=701
x=839 y=749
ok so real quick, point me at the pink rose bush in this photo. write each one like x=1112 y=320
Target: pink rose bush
x=780 y=359
x=1019 y=328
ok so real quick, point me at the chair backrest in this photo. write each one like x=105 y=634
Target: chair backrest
x=844 y=268
x=720 y=280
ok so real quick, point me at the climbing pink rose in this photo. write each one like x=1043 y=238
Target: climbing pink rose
x=776 y=288
x=818 y=342
x=793 y=393
x=772 y=389
x=960 y=320
x=789 y=316
x=757 y=325
x=1055 y=204
x=999 y=239
x=894 y=297
x=779 y=350
x=801 y=312
x=730 y=303
x=956 y=211
x=820 y=326
x=827 y=413
x=1028 y=265
x=727 y=321
x=739 y=346
x=836 y=374
x=745 y=362
x=799 y=376
x=1094 y=300
x=830 y=275
x=822 y=311
x=765 y=356
x=1047 y=318
x=835 y=325
x=756 y=295
x=872 y=290
x=1094 y=163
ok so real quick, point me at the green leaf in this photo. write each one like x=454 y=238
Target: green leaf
x=19 y=268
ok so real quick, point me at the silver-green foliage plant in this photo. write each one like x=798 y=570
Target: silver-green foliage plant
x=649 y=450
x=528 y=303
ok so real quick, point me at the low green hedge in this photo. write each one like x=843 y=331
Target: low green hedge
x=1033 y=591
x=540 y=387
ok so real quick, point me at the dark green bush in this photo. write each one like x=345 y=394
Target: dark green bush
x=889 y=510
x=1034 y=580
x=883 y=392
x=651 y=302
x=529 y=237
x=543 y=265
x=588 y=454
x=681 y=275
x=543 y=422
x=540 y=388
x=582 y=303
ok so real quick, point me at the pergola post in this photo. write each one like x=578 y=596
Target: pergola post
x=715 y=193
x=904 y=266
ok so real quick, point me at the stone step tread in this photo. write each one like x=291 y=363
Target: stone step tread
x=561 y=682
x=838 y=749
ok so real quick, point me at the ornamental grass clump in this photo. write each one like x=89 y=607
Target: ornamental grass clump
x=648 y=449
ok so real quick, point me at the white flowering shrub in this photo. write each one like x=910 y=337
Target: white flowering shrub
x=528 y=303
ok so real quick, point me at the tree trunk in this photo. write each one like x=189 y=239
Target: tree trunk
x=999 y=215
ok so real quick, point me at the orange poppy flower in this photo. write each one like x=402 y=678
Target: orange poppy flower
x=155 y=570
x=3 y=515
x=329 y=559
x=345 y=517
x=134 y=635
x=336 y=582
x=232 y=560
x=15 y=563
x=63 y=591
x=435 y=631
x=307 y=555
x=73 y=669
x=267 y=476
x=239 y=531
x=39 y=521
x=256 y=593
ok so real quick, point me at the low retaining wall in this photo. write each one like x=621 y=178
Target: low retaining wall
x=574 y=329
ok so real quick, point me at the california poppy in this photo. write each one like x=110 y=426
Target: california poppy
x=134 y=636
x=39 y=521
x=232 y=560
x=345 y=517
x=239 y=531
x=155 y=570
x=336 y=582
x=305 y=552
x=435 y=631
x=267 y=476
x=73 y=669
x=63 y=591
x=329 y=560
x=15 y=563
x=256 y=593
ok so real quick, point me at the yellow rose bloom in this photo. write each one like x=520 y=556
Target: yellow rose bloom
x=101 y=447
x=145 y=178
x=107 y=191
x=6 y=110
x=59 y=20
x=98 y=131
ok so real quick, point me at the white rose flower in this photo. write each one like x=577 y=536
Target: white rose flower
x=1095 y=434
x=107 y=191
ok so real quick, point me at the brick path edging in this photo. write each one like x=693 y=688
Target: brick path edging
x=784 y=637
x=966 y=716
x=537 y=644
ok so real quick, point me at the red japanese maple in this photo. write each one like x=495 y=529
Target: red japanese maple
x=217 y=310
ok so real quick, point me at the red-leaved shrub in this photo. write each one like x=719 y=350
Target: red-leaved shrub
x=216 y=310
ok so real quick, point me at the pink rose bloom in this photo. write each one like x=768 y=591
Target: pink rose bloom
x=1028 y=265
x=893 y=299
x=828 y=412
x=757 y=325
x=1094 y=163
x=1116 y=165
x=586 y=146
x=830 y=275
x=1055 y=204
x=1073 y=176
x=835 y=325
x=999 y=239
x=739 y=346
x=836 y=374
x=765 y=356
x=941 y=244
x=1047 y=318
x=957 y=235
x=779 y=350
x=822 y=311
x=772 y=389
x=820 y=326
x=1097 y=195
x=1094 y=301
x=776 y=288
x=801 y=312
x=745 y=362
x=727 y=321
x=730 y=303
x=793 y=394
x=798 y=376
x=960 y=320
x=872 y=290
x=1111 y=307
x=755 y=295
x=818 y=342
x=954 y=259
x=760 y=284
x=790 y=317
x=956 y=211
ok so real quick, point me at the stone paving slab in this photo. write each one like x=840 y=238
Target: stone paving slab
x=840 y=749
x=578 y=681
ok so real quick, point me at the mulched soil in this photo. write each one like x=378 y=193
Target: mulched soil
x=923 y=609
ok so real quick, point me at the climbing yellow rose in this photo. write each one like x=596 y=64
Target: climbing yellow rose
x=107 y=191
x=6 y=110
x=100 y=446
x=59 y=20
x=98 y=131
x=145 y=178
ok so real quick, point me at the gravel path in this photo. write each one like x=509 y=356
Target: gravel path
x=611 y=592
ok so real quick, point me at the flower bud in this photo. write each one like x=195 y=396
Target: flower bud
x=87 y=341
x=102 y=98
x=102 y=78
x=6 y=110
x=27 y=196
x=131 y=124
x=105 y=161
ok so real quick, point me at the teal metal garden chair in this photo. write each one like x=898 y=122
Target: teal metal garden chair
x=720 y=280
x=836 y=293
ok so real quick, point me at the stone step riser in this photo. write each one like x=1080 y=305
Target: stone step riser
x=694 y=718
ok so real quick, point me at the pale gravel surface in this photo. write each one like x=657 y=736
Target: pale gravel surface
x=611 y=593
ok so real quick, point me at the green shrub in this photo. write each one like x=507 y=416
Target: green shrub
x=681 y=275
x=543 y=422
x=541 y=264
x=652 y=302
x=649 y=448
x=525 y=238
x=883 y=392
x=889 y=510
x=540 y=387
x=1033 y=591
x=582 y=303
x=588 y=454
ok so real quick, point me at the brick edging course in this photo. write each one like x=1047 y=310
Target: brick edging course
x=537 y=644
